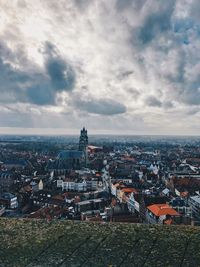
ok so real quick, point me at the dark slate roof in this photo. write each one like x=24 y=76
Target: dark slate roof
x=7 y=196
x=178 y=202
x=70 y=154
x=21 y=162
x=150 y=199
x=6 y=173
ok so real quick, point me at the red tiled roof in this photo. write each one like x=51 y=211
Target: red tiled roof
x=129 y=190
x=162 y=209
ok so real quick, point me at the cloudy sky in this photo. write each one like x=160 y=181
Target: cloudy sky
x=117 y=66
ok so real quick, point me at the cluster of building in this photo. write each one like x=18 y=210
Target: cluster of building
x=146 y=182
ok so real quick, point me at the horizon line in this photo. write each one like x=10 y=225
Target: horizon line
x=13 y=131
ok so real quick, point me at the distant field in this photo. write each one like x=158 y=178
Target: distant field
x=33 y=243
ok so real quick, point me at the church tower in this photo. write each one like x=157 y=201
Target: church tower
x=83 y=143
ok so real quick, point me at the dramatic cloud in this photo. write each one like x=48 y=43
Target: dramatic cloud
x=61 y=74
x=23 y=81
x=134 y=63
x=102 y=107
x=158 y=21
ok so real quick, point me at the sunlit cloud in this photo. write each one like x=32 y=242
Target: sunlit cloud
x=127 y=66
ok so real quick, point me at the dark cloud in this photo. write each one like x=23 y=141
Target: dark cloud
x=190 y=97
x=40 y=94
x=33 y=85
x=11 y=83
x=158 y=22
x=152 y=101
x=60 y=72
x=101 y=106
x=21 y=86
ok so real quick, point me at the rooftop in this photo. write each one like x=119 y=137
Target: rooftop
x=70 y=154
x=7 y=196
x=196 y=198
x=162 y=209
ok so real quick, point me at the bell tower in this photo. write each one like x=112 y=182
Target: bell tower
x=83 y=143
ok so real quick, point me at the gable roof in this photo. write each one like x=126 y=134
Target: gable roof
x=129 y=190
x=162 y=209
x=70 y=154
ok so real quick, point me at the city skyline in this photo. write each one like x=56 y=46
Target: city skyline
x=117 y=67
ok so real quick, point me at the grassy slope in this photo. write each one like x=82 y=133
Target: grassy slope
x=38 y=243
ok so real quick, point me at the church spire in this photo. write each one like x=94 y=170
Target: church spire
x=83 y=143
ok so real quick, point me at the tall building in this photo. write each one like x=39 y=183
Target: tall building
x=83 y=143
x=71 y=159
